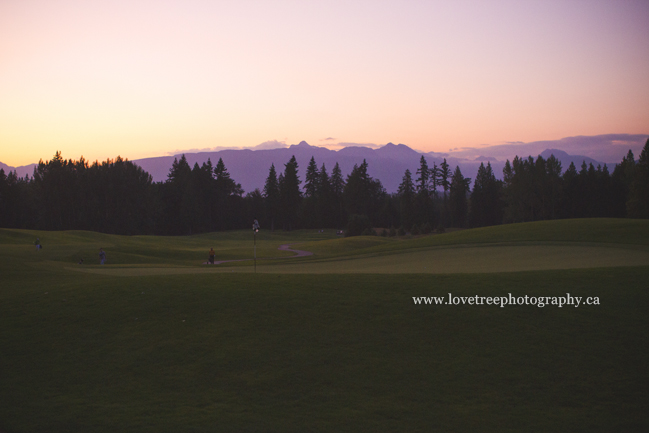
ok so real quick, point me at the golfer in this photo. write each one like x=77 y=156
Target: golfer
x=212 y=256
x=102 y=256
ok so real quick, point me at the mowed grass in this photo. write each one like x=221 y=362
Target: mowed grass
x=172 y=251
x=285 y=351
x=481 y=259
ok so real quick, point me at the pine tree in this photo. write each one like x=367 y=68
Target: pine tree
x=457 y=198
x=326 y=200
x=290 y=195
x=362 y=193
x=337 y=189
x=638 y=202
x=311 y=185
x=554 y=187
x=271 y=196
x=423 y=204
x=570 y=191
x=443 y=180
x=444 y=176
x=424 y=176
x=434 y=179
x=228 y=196
x=406 y=200
x=311 y=216
x=486 y=208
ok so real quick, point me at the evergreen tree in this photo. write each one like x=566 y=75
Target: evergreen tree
x=311 y=184
x=362 y=193
x=486 y=209
x=444 y=176
x=434 y=179
x=638 y=202
x=622 y=177
x=570 y=192
x=326 y=200
x=337 y=189
x=272 y=197
x=423 y=202
x=310 y=212
x=444 y=182
x=457 y=198
x=290 y=195
x=553 y=189
x=254 y=203
x=175 y=197
x=406 y=200
x=227 y=198
x=424 y=175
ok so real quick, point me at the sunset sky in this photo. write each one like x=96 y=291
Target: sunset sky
x=146 y=78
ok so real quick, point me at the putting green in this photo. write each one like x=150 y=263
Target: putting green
x=440 y=260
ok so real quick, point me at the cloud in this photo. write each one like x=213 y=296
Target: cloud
x=270 y=144
x=205 y=149
x=327 y=139
x=609 y=148
x=370 y=145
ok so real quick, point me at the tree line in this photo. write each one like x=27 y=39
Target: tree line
x=117 y=196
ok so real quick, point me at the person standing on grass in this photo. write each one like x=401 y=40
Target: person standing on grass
x=37 y=242
x=212 y=254
x=102 y=256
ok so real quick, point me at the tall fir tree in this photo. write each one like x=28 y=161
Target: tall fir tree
x=362 y=193
x=272 y=197
x=407 y=200
x=486 y=208
x=638 y=203
x=337 y=189
x=311 y=179
x=459 y=187
x=290 y=194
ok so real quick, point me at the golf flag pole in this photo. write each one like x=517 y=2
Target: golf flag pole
x=255 y=229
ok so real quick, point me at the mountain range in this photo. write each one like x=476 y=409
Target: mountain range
x=387 y=163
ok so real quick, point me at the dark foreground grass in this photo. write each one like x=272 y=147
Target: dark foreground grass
x=295 y=353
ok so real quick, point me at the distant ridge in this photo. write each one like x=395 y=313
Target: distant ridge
x=567 y=159
x=387 y=163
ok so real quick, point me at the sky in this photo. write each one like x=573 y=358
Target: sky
x=149 y=78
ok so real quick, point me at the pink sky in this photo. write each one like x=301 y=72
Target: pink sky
x=145 y=78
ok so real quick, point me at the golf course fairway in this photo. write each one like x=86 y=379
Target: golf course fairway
x=156 y=341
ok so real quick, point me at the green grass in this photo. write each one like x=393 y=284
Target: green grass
x=290 y=351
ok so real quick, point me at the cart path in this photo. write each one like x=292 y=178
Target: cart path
x=285 y=247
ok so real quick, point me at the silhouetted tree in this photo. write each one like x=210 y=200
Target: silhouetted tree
x=406 y=200
x=457 y=198
x=486 y=207
x=290 y=195
x=638 y=203
x=272 y=197
x=363 y=194
x=337 y=189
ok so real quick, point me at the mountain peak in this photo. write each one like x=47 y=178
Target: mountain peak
x=396 y=149
x=556 y=152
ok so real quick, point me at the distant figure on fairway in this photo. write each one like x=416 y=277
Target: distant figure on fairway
x=102 y=256
x=37 y=242
x=212 y=256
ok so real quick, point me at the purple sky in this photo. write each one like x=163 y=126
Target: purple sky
x=146 y=78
